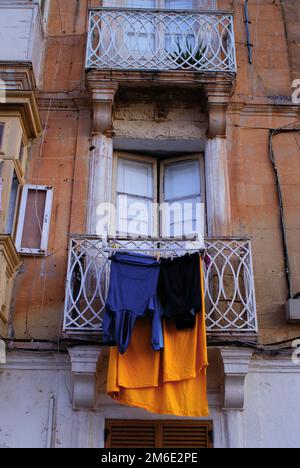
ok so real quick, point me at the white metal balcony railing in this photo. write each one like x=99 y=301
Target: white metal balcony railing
x=229 y=281
x=157 y=40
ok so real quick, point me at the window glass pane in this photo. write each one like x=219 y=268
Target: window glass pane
x=184 y=215
x=141 y=3
x=134 y=216
x=135 y=178
x=182 y=180
x=180 y=4
x=34 y=218
x=12 y=205
x=190 y=4
x=130 y=3
x=134 y=198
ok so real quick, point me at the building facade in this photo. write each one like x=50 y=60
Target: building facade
x=161 y=101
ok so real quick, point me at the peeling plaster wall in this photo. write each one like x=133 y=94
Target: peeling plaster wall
x=158 y=114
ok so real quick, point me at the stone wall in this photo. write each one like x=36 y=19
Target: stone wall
x=291 y=16
x=261 y=101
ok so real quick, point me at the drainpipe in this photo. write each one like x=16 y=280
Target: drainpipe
x=247 y=23
x=51 y=423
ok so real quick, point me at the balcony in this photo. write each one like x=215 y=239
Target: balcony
x=229 y=282
x=21 y=38
x=161 y=40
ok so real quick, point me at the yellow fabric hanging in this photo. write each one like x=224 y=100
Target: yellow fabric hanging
x=170 y=382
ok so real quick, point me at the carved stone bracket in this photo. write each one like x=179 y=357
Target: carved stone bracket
x=103 y=95
x=84 y=366
x=236 y=366
x=218 y=100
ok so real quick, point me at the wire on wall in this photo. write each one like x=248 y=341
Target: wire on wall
x=287 y=263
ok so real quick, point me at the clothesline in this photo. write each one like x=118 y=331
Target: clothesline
x=171 y=253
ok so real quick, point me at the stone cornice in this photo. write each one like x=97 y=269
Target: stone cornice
x=24 y=103
x=18 y=76
x=36 y=361
x=11 y=256
x=55 y=102
x=161 y=78
x=263 y=107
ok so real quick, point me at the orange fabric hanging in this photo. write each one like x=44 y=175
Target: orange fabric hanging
x=170 y=382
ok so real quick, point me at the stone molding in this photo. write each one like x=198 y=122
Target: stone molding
x=18 y=76
x=84 y=362
x=10 y=261
x=218 y=96
x=24 y=104
x=236 y=367
x=217 y=88
x=102 y=94
x=11 y=256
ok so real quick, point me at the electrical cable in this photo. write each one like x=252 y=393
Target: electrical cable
x=287 y=263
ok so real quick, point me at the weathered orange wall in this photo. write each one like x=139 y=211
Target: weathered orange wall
x=63 y=161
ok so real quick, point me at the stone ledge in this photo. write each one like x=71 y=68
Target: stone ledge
x=24 y=104
x=18 y=76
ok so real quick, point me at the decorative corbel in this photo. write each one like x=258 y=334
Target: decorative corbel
x=236 y=366
x=102 y=95
x=217 y=95
x=84 y=362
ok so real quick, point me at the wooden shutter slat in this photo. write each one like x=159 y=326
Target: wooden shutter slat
x=158 y=434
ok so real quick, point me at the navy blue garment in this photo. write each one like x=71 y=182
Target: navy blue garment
x=132 y=295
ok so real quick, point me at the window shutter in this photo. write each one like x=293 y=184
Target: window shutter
x=158 y=434
x=186 y=435
x=130 y=434
x=34 y=220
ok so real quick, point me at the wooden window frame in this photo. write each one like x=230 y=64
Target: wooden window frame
x=46 y=221
x=119 y=155
x=158 y=181
x=192 y=157
x=159 y=427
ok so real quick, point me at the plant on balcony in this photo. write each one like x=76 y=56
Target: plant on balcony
x=189 y=56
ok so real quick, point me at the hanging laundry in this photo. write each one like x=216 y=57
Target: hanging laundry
x=171 y=382
x=132 y=294
x=180 y=290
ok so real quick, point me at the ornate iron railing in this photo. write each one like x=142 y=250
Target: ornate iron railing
x=157 y=40
x=229 y=281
